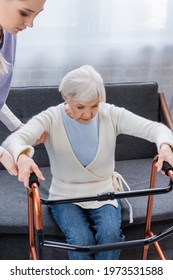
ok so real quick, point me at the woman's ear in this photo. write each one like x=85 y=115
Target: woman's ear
x=63 y=97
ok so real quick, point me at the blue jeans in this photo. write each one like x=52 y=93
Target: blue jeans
x=85 y=227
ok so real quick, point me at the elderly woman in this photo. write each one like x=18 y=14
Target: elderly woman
x=81 y=141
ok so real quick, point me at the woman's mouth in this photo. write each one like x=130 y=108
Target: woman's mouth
x=19 y=29
x=85 y=120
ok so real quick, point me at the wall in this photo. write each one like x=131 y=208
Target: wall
x=112 y=70
x=134 y=45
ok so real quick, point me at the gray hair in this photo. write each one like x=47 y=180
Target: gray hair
x=83 y=84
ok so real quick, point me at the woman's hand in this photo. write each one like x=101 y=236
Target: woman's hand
x=26 y=166
x=42 y=139
x=7 y=160
x=165 y=154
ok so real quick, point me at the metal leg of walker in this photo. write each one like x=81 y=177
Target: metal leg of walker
x=35 y=223
x=148 y=232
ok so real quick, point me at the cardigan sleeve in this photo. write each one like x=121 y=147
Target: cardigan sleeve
x=9 y=119
x=23 y=139
x=1 y=151
x=126 y=122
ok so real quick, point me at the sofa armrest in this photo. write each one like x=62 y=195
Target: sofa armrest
x=165 y=111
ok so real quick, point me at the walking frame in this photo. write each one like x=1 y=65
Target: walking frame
x=36 y=235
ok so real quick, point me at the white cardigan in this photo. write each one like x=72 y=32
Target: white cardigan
x=69 y=177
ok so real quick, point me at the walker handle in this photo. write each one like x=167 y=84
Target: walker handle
x=166 y=167
x=33 y=179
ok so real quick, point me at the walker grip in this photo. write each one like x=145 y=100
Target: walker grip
x=33 y=179
x=166 y=167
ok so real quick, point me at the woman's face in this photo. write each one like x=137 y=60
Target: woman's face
x=16 y=15
x=82 y=112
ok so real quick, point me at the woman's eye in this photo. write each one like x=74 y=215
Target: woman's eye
x=24 y=14
x=80 y=107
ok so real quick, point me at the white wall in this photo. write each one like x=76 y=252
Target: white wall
x=71 y=33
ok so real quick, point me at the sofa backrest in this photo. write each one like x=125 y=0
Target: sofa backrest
x=143 y=100
x=140 y=98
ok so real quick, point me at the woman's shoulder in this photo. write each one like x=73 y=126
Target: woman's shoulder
x=51 y=111
x=109 y=108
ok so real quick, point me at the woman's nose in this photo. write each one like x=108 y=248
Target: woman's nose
x=87 y=114
x=29 y=22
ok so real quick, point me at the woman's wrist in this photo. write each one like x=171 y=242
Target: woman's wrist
x=21 y=157
x=165 y=146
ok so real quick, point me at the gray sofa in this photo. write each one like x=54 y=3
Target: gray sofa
x=133 y=158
